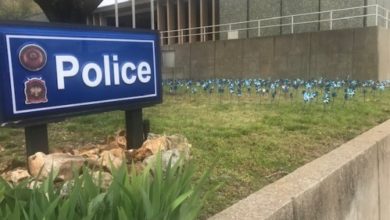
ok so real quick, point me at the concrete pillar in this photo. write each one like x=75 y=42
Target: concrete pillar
x=102 y=20
x=192 y=19
x=87 y=21
x=159 y=15
x=133 y=13
x=152 y=14
x=93 y=20
x=204 y=18
x=214 y=17
x=116 y=14
x=96 y=19
x=171 y=22
x=180 y=19
x=161 y=19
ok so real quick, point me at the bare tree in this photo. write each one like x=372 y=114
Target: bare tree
x=70 y=11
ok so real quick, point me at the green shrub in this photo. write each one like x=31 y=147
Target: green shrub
x=153 y=194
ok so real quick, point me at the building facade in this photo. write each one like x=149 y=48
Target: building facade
x=204 y=39
x=186 y=21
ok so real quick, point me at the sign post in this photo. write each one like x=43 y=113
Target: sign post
x=134 y=128
x=36 y=139
x=48 y=73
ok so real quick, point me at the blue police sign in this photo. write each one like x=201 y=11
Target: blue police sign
x=51 y=72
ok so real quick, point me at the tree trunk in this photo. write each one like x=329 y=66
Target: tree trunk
x=68 y=11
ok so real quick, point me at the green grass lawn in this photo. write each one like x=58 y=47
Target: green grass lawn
x=252 y=141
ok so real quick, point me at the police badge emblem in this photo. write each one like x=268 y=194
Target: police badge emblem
x=32 y=57
x=35 y=91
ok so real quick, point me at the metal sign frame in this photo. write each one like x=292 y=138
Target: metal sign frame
x=33 y=58
x=30 y=117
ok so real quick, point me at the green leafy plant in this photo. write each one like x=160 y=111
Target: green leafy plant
x=155 y=193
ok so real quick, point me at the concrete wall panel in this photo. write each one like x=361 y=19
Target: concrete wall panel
x=251 y=57
x=332 y=53
x=364 y=39
x=366 y=56
x=231 y=11
x=266 y=57
x=338 y=41
x=229 y=59
x=265 y=9
x=365 y=66
x=202 y=60
x=182 y=62
x=293 y=7
x=326 y=5
x=292 y=56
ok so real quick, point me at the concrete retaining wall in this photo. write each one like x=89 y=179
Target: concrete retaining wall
x=351 y=182
x=333 y=54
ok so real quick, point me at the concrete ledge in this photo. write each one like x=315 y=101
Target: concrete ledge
x=351 y=182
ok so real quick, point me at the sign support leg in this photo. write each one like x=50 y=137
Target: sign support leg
x=36 y=139
x=134 y=128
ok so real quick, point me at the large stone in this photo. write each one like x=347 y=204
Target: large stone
x=102 y=179
x=172 y=156
x=92 y=154
x=160 y=143
x=113 y=158
x=11 y=164
x=40 y=165
x=172 y=148
x=16 y=176
x=139 y=155
x=157 y=144
x=174 y=145
x=121 y=139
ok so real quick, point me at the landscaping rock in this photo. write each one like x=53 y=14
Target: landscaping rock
x=171 y=147
x=11 y=164
x=173 y=155
x=102 y=179
x=157 y=144
x=34 y=184
x=121 y=139
x=41 y=164
x=16 y=176
x=92 y=154
x=180 y=143
x=112 y=158
x=66 y=161
x=139 y=155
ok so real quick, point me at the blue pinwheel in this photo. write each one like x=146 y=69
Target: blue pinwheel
x=326 y=98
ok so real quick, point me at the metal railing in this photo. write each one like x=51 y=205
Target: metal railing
x=363 y=16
